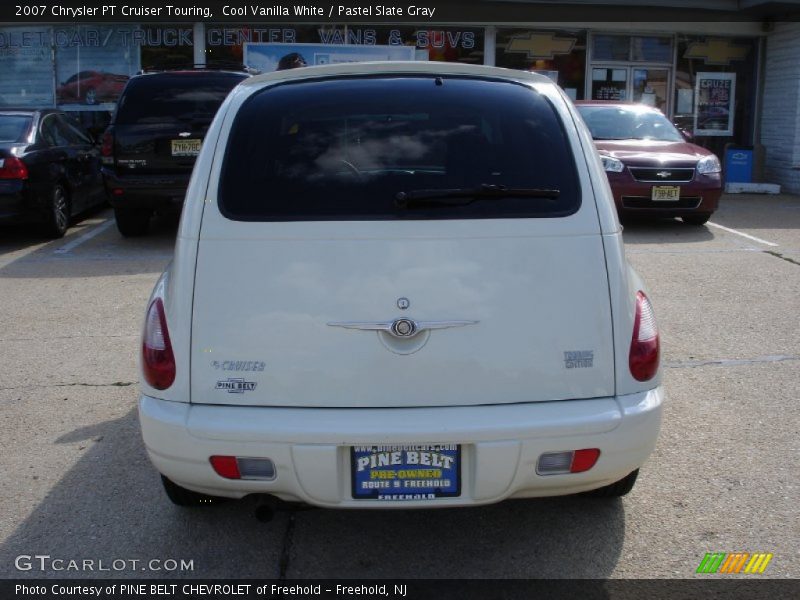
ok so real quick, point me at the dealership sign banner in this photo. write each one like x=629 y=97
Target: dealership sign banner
x=714 y=104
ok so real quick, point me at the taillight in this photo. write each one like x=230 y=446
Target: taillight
x=107 y=148
x=571 y=461
x=13 y=168
x=158 y=361
x=239 y=467
x=643 y=358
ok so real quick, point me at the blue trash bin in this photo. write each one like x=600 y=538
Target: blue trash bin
x=739 y=165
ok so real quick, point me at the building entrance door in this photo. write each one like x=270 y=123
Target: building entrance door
x=648 y=85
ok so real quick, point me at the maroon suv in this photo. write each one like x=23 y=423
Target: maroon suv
x=652 y=169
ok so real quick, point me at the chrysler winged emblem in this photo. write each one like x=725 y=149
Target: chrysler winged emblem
x=400 y=328
x=664 y=174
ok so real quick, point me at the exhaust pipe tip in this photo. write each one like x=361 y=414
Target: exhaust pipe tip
x=265 y=513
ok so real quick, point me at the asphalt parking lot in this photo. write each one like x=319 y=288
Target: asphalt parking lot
x=725 y=477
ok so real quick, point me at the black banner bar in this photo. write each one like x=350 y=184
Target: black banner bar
x=389 y=11
x=734 y=588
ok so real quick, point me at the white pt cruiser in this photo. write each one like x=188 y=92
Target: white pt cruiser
x=399 y=285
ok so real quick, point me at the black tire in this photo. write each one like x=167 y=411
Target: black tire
x=615 y=490
x=180 y=496
x=57 y=217
x=132 y=222
x=697 y=220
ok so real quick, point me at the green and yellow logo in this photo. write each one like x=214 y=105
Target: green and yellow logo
x=734 y=562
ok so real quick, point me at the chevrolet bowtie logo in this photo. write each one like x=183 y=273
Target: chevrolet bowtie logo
x=540 y=45
x=716 y=51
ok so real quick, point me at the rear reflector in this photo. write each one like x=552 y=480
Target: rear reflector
x=226 y=466
x=573 y=461
x=644 y=354
x=583 y=460
x=238 y=467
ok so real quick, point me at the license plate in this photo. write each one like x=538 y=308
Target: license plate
x=397 y=473
x=666 y=192
x=186 y=147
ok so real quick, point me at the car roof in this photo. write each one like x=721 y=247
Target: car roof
x=396 y=68
x=21 y=111
x=28 y=112
x=616 y=103
x=190 y=73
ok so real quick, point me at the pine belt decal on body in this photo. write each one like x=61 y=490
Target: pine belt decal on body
x=235 y=385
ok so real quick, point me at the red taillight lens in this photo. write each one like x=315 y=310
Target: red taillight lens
x=158 y=361
x=643 y=358
x=226 y=466
x=107 y=147
x=13 y=168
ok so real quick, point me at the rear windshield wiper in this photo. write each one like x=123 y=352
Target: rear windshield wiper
x=464 y=196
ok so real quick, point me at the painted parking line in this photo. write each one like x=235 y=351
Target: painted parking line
x=69 y=247
x=743 y=234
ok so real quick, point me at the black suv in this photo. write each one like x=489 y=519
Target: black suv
x=154 y=138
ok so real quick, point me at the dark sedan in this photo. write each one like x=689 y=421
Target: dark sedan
x=653 y=170
x=49 y=169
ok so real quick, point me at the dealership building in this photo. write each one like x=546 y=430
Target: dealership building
x=726 y=71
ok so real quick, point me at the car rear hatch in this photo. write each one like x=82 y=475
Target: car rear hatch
x=163 y=118
x=307 y=254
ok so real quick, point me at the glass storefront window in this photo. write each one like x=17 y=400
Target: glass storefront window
x=609 y=84
x=450 y=44
x=170 y=47
x=26 y=67
x=93 y=64
x=611 y=47
x=651 y=87
x=701 y=58
x=561 y=55
x=637 y=48
x=651 y=49
x=225 y=45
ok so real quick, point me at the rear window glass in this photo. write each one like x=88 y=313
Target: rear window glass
x=156 y=99
x=13 y=128
x=397 y=148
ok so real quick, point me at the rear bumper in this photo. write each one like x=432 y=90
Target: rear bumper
x=145 y=191
x=18 y=204
x=310 y=447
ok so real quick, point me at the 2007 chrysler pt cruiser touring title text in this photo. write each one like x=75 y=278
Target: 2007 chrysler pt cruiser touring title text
x=399 y=285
